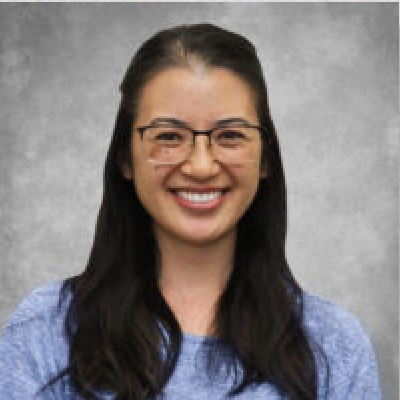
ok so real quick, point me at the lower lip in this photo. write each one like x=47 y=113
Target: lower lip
x=199 y=206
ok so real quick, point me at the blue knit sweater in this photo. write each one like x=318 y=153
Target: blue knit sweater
x=33 y=349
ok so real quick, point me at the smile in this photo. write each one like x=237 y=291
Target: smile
x=199 y=197
x=199 y=201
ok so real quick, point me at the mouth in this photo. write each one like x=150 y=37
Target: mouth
x=223 y=190
x=204 y=200
x=189 y=192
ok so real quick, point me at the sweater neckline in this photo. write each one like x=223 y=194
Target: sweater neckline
x=196 y=338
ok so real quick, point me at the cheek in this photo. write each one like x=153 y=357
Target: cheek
x=147 y=184
x=252 y=186
x=141 y=183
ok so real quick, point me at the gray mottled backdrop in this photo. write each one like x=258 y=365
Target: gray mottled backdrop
x=332 y=71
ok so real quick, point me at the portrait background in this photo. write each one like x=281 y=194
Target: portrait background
x=333 y=77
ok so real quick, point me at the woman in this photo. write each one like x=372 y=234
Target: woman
x=187 y=293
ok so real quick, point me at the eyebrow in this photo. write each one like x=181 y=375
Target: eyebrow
x=183 y=124
x=168 y=120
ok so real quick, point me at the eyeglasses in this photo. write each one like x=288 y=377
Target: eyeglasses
x=168 y=141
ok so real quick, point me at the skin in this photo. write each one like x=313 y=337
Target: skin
x=196 y=246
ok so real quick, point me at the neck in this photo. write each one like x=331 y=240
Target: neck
x=192 y=277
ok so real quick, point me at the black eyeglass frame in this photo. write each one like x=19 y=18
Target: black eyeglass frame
x=208 y=133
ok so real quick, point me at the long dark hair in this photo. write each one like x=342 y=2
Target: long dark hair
x=118 y=320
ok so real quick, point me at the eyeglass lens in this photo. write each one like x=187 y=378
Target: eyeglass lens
x=166 y=144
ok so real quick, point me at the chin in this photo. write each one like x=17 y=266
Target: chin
x=206 y=238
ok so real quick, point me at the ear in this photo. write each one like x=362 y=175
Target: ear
x=263 y=172
x=263 y=175
x=125 y=167
x=126 y=171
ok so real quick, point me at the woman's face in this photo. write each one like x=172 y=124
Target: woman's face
x=200 y=97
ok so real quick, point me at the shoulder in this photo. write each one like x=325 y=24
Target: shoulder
x=38 y=321
x=40 y=304
x=329 y=323
x=336 y=330
x=342 y=344
x=33 y=341
x=37 y=324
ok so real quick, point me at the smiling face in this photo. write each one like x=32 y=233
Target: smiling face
x=200 y=97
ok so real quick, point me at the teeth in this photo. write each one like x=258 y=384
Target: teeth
x=199 y=197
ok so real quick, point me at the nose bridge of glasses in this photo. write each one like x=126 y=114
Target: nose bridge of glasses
x=202 y=151
x=206 y=133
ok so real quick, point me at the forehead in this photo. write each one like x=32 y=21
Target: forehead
x=196 y=95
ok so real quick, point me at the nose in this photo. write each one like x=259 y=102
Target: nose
x=201 y=162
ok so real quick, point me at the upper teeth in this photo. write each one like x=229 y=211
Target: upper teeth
x=201 y=197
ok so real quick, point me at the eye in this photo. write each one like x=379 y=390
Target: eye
x=169 y=136
x=231 y=135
